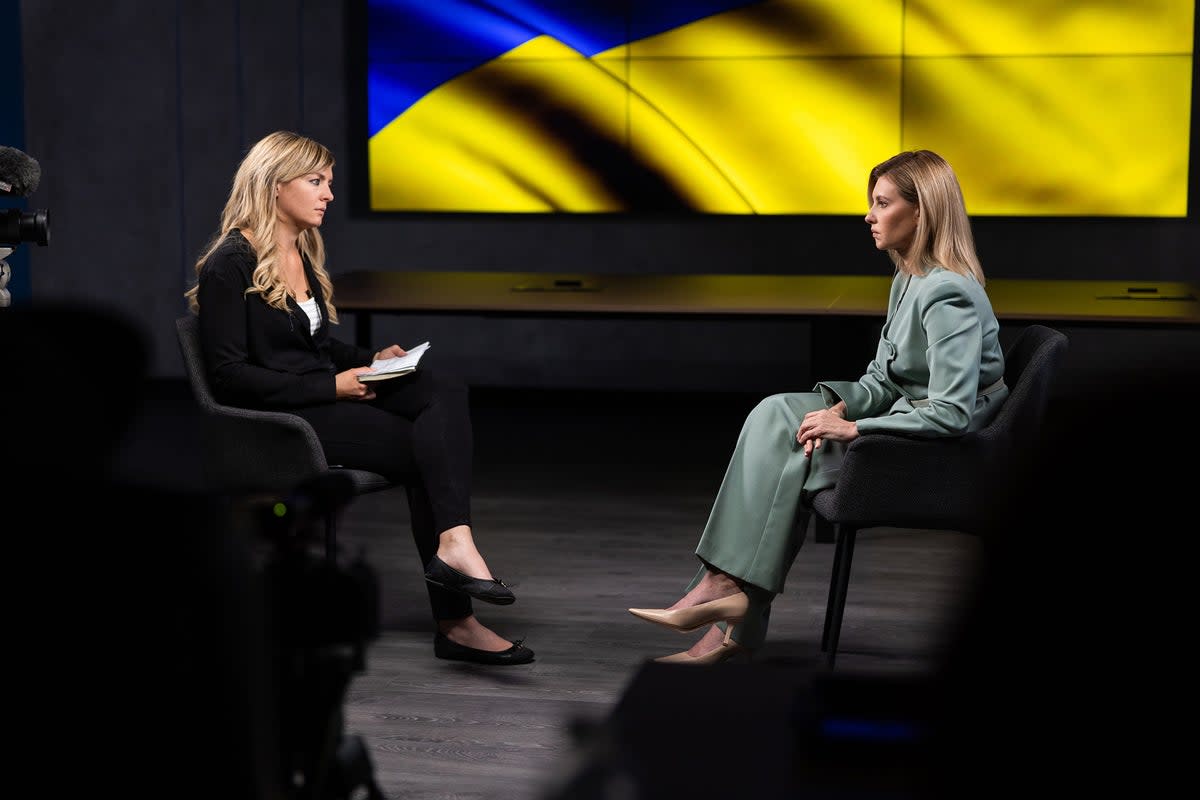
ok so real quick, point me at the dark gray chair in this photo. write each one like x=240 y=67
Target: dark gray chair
x=248 y=452
x=937 y=484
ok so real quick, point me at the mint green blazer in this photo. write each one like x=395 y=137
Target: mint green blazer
x=939 y=367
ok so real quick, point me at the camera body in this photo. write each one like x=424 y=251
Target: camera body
x=322 y=613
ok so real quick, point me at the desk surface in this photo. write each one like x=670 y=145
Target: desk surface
x=521 y=293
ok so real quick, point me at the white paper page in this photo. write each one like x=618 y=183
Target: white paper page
x=409 y=359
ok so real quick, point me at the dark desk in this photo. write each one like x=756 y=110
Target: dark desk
x=821 y=298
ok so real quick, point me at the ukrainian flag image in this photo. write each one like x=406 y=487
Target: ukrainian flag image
x=776 y=107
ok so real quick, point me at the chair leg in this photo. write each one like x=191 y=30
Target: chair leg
x=839 y=584
x=838 y=555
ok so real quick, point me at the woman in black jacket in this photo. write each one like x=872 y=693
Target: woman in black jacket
x=265 y=305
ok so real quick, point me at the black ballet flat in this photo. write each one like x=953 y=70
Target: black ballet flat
x=444 y=647
x=439 y=573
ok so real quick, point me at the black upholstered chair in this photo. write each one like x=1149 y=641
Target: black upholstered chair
x=951 y=484
x=249 y=452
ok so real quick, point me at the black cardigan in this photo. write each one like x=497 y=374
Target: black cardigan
x=258 y=356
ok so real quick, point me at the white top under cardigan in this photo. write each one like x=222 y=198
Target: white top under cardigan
x=314 y=313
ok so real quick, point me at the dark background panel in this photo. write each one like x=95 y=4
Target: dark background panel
x=139 y=113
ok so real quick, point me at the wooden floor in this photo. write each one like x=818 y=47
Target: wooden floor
x=586 y=505
x=577 y=558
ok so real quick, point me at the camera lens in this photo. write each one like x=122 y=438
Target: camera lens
x=18 y=226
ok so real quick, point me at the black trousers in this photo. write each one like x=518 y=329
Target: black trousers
x=417 y=431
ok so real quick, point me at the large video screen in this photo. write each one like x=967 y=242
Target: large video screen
x=778 y=107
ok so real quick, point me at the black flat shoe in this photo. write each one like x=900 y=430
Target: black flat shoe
x=444 y=647
x=439 y=573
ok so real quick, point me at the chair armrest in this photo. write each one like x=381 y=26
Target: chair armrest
x=900 y=481
x=248 y=450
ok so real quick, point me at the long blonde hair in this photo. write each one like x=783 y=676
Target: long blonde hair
x=943 y=237
x=276 y=158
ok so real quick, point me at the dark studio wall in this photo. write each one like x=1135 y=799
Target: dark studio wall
x=138 y=113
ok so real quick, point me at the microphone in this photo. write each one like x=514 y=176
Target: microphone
x=19 y=172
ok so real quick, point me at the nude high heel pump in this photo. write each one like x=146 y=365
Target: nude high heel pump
x=725 y=652
x=731 y=609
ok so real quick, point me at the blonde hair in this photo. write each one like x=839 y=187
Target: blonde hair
x=943 y=237
x=276 y=158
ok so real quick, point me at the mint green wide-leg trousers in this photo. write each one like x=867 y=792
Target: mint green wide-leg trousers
x=758 y=520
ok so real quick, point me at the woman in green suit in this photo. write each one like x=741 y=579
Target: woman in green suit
x=938 y=371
